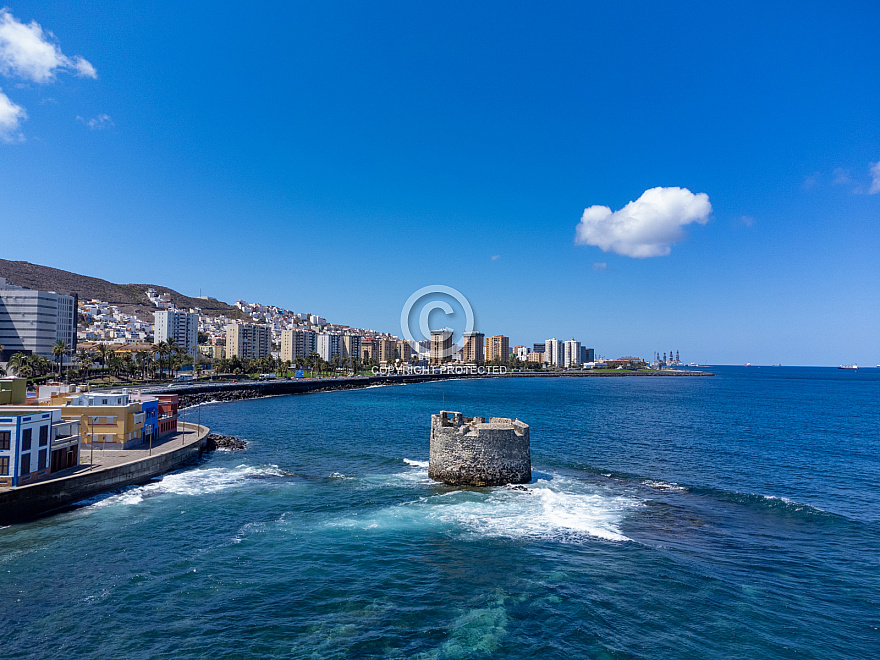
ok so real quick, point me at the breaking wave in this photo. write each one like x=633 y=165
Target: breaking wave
x=554 y=509
x=191 y=482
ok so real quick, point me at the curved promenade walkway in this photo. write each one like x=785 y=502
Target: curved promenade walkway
x=105 y=470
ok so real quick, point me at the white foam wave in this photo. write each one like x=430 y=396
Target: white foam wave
x=419 y=464
x=191 y=482
x=663 y=485
x=557 y=509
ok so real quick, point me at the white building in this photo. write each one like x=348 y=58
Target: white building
x=572 y=353
x=328 y=346
x=522 y=353
x=32 y=321
x=554 y=352
x=183 y=327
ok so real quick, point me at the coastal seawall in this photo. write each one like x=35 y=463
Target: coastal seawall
x=210 y=392
x=28 y=502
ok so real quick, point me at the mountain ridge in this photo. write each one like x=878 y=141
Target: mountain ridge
x=129 y=298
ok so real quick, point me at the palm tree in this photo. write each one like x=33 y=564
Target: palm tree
x=16 y=362
x=141 y=359
x=160 y=350
x=104 y=351
x=58 y=350
x=156 y=351
x=171 y=349
x=84 y=359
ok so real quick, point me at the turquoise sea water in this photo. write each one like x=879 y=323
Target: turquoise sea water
x=727 y=517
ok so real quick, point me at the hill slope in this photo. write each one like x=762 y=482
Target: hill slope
x=129 y=298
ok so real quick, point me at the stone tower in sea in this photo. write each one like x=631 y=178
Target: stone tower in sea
x=470 y=451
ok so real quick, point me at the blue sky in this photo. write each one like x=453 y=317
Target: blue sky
x=335 y=157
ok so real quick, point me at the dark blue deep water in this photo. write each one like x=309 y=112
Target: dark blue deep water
x=728 y=517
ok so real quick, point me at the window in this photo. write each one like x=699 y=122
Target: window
x=4 y=439
x=25 y=464
x=41 y=459
x=26 y=440
x=4 y=466
x=44 y=435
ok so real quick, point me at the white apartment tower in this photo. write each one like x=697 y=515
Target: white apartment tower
x=32 y=321
x=554 y=354
x=182 y=327
x=328 y=346
x=572 y=353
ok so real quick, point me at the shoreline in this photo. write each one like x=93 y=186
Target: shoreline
x=26 y=503
x=195 y=394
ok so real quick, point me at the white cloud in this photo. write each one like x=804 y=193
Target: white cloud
x=496 y=257
x=10 y=117
x=97 y=123
x=600 y=265
x=875 y=178
x=28 y=52
x=646 y=227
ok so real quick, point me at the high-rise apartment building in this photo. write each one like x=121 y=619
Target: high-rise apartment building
x=386 y=349
x=497 y=348
x=182 y=327
x=32 y=321
x=522 y=353
x=473 y=349
x=328 y=346
x=298 y=343
x=572 y=353
x=554 y=353
x=441 y=346
x=248 y=341
x=350 y=348
x=587 y=355
x=404 y=350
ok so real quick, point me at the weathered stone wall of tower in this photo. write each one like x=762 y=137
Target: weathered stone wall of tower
x=469 y=451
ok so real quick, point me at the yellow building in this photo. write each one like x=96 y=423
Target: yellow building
x=387 y=350
x=404 y=350
x=472 y=351
x=248 y=341
x=497 y=348
x=108 y=420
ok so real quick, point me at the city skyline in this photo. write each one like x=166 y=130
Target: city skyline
x=635 y=178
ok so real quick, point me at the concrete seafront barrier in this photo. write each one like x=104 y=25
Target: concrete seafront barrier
x=28 y=502
x=192 y=394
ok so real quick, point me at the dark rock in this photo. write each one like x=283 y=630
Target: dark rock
x=228 y=442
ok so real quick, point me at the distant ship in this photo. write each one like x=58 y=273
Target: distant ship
x=852 y=367
x=748 y=364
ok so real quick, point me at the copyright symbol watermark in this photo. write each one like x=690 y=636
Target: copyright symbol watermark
x=426 y=300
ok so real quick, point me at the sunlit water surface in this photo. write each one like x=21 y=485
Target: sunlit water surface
x=727 y=517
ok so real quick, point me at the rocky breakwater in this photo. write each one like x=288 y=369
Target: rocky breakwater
x=226 y=442
x=471 y=451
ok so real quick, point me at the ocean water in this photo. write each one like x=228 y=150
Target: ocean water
x=728 y=517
